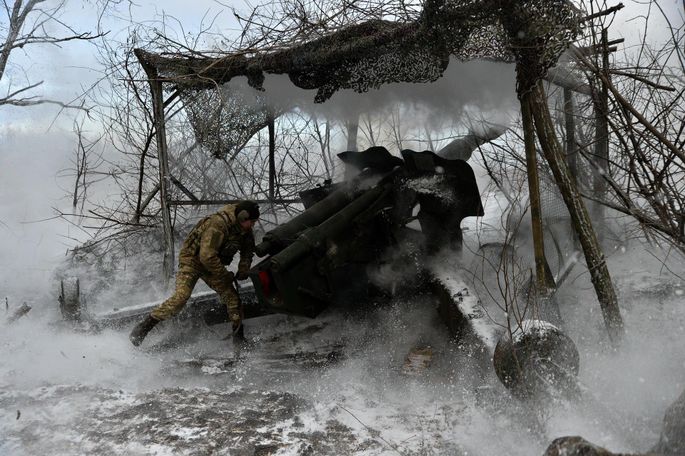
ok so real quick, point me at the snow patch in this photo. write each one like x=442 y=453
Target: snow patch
x=446 y=268
x=434 y=184
x=539 y=327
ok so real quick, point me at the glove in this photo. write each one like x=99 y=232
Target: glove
x=241 y=275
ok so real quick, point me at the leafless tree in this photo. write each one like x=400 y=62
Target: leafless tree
x=642 y=172
x=86 y=169
x=28 y=24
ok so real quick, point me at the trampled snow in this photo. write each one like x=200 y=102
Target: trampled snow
x=334 y=385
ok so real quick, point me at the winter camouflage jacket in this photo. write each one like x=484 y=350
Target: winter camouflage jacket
x=214 y=241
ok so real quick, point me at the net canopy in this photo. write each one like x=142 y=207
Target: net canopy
x=364 y=56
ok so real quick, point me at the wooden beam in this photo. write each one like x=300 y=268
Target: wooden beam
x=184 y=189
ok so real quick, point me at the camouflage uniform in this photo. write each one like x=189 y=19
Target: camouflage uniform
x=211 y=244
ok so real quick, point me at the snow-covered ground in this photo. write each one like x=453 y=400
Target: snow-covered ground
x=335 y=385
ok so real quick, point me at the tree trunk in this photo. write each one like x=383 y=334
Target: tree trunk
x=594 y=257
x=545 y=282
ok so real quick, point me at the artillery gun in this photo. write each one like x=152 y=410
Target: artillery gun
x=326 y=256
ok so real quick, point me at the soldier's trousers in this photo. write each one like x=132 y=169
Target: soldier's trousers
x=186 y=278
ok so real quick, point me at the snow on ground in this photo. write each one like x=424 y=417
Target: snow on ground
x=334 y=385
x=69 y=393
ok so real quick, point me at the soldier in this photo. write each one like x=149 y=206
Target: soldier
x=210 y=245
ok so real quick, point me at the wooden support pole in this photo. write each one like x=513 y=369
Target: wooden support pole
x=163 y=158
x=570 y=124
x=594 y=257
x=272 y=155
x=601 y=158
x=158 y=105
x=571 y=147
x=545 y=281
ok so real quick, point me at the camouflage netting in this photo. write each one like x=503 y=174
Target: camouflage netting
x=531 y=33
x=223 y=120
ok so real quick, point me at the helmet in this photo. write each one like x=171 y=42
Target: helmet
x=246 y=210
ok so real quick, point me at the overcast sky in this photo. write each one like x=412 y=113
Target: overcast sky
x=36 y=144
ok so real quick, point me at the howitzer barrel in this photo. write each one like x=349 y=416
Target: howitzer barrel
x=334 y=225
x=280 y=236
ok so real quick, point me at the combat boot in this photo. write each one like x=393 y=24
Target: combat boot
x=238 y=333
x=141 y=329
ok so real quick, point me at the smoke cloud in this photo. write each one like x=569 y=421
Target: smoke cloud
x=477 y=85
